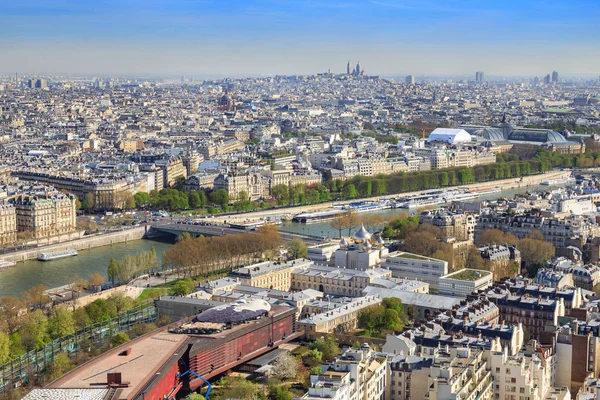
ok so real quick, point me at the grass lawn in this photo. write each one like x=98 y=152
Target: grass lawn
x=152 y=293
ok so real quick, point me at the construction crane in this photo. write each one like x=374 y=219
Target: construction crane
x=189 y=371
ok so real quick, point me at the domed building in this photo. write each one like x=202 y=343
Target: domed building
x=361 y=254
x=504 y=137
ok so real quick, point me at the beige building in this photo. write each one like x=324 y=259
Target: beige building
x=250 y=183
x=46 y=216
x=8 y=224
x=339 y=320
x=335 y=281
x=269 y=275
x=463 y=374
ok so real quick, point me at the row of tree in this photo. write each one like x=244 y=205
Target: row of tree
x=23 y=332
x=200 y=255
x=131 y=266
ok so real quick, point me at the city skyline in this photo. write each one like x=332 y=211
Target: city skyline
x=389 y=37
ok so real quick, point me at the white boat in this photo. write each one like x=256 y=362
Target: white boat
x=558 y=181
x=7 y=264
x=56 y=255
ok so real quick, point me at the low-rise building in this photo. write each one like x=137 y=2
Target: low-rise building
x=414 y=266
x=464 y=282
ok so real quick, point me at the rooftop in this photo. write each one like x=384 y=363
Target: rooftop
x=469 y=275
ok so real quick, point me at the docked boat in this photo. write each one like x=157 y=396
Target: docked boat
x=317 y=216
x=56 y=255
x=558 y=181
x=364 y=206
x=7 y=264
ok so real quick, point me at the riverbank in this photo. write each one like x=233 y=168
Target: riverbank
x=85 y=243
x=503 y=184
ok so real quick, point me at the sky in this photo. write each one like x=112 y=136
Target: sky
x=269 y=37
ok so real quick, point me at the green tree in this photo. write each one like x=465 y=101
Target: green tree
x=219 y=197
x=112 y=271
x=240 y=388
x=119 y=339
x=391 y=320
x=281 y=194
x=279 y=393
x=194 y=199
x=141 y=199
x=61 y=365
x=4 y=348
x=328 y=347
x=297 y=248
x=370 y=318
x=313 y=358
x=350 y=192
x=17 y=348
x=243 y=196
x=81 y=318
x=34 y=330
x=61 y=323
x=121 y=302
x=101 y=310
x=184 y=287
x=393 y=303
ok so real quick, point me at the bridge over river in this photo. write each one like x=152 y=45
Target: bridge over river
x=172 y=228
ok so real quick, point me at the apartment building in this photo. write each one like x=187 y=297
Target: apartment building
x=535 y=313
x=8 y=224
x=459 y=225
x=251 y=183
x=357 y=374
x=45 y=216
x=522 y=376
x=462 y=373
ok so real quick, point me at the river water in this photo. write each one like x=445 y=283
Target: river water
x=60 y=272
x=324 y=229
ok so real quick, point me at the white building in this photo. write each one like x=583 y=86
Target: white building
x=414 y=266
x=464 y=282
x=450 y=136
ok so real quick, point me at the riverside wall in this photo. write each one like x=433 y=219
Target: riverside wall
x=87 y=242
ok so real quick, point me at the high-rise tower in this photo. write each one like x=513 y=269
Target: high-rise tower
x=348 y=68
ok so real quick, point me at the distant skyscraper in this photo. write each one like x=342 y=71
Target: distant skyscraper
x=37 y=83
x=547 y=79
x=410 y=80
x=479 y=77
x=348 y=68
x=182 y=79
x=554 y=76
x=536 y=81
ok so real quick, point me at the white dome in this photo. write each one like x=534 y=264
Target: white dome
x=362 y=234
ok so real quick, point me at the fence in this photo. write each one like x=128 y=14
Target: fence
x=15 y=373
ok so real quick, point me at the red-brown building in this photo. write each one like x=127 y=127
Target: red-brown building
x=209 y=344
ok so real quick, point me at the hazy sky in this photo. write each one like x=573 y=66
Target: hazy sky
x=230 y=37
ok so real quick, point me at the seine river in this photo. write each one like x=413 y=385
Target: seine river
x=323 y=229
x=60 y=272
